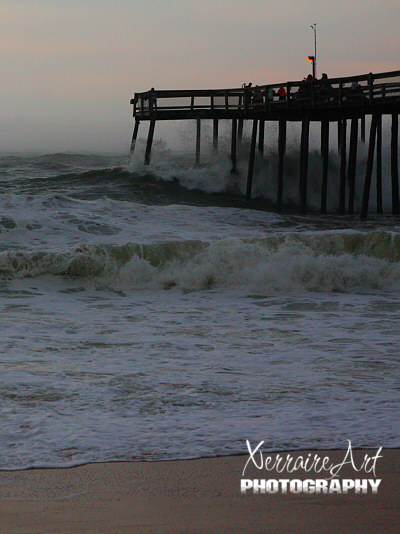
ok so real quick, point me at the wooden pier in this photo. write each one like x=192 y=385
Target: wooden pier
x=336 y=100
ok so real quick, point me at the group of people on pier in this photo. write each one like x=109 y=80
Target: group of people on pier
x=310 y=89
x=256 y=95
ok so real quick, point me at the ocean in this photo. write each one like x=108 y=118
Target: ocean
x=151 y=313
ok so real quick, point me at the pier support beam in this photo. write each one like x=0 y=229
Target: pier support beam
x=395 y=164
x=363 y=129
x=379 y=207
x=339 y=135
x=233 y=145
x=351 y=172
x=370 y=162
x=261 y=136
x=305 y=134
x=149 y=142
x=240 y=130
x=325 y=162
x=198 y=138
x=215 y=135
x=134 y=137
x=342 y=191
x=251 y=160
x=281 y=156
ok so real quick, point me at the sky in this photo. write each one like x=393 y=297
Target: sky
x=69 y=67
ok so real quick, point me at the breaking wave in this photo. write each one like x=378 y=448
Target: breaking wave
x=283 y=262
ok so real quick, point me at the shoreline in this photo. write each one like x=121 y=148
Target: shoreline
x=194 y=458
x=191 y=496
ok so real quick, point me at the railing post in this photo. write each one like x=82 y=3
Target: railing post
x=371 y=87
x=340 y=93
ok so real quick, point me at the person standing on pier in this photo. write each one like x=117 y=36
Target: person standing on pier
x=248 y=93
x=257 y=96
x=281 y=93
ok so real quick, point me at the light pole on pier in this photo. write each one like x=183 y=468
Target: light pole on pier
x=314 y=62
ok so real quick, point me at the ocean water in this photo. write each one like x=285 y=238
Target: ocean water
x=151 y=313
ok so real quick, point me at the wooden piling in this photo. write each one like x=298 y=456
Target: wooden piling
x=281 y=156
x=342 y=190
x=363 y=129
x=240 y=130
x=339 y=135
x=215 y=135
x=198 y=139
x=251 y=160
x=370 y=162
x=305 y=134
x=134 y=137
x=325 y=162
x=233 y=145
x=261 y=136
x=149 y=142
x=394 y=163
x=379 y=207
x=351 y=174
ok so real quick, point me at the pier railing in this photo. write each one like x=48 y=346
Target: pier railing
x=363 y=90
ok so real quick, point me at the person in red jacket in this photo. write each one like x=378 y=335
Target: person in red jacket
x=281 y=93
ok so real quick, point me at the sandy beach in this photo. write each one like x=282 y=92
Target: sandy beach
x=190 y=496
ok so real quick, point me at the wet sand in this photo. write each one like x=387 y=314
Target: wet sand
x=190 y=496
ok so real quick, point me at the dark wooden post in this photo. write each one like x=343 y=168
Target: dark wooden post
x=149 y=142
x=261 y=136
x=351 y=176
x=198 y=138
x=240 y=130
x=370 y=162
x=305 y=133
x=325 y=162
x=363 y=129
x=281 y=155
x=379 y=207
x=233 y=145
x=134 y=137
x=251 y=160
x=394 y=164
x=339 y=135
x=342 y=191
x=215 y=135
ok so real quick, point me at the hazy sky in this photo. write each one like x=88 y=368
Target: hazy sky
x=70 y=67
